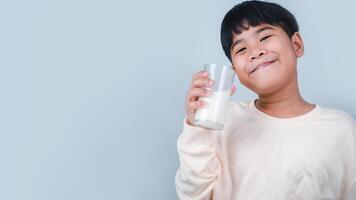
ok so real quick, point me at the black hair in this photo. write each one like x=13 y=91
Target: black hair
x=254 y=13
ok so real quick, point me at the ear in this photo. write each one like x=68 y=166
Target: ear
x=298 y=44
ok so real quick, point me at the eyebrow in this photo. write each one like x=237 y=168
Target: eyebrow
x=256 y=32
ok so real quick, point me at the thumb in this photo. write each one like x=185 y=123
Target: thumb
x=233 y=89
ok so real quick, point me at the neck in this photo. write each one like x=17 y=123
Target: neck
x=285 y=102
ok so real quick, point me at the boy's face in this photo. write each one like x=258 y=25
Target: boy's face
x=264 y=57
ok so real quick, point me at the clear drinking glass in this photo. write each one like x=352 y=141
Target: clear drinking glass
x=213 y=116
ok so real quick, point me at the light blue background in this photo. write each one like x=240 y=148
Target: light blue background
x=92 y=92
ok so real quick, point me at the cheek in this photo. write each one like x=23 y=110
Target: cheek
x=239 y=63
x=285 y=49
x=278 y=47
x=239 y=68
x=242 y=76
x=289 y=58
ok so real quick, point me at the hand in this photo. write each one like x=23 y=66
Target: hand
x=198 y=88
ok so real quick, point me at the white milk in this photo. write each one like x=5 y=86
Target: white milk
x=213 y=116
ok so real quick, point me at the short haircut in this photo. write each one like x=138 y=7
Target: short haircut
x=254 y=13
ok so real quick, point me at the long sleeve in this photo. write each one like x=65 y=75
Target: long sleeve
x=200 y=167
x=350 y=191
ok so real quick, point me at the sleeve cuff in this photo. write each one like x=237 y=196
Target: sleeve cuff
x=197 y=138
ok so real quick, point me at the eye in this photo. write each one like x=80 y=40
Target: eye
x=240 y=50
x=265 y=38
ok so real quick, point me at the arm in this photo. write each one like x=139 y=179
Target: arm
x=200 y=167
x=350 y=191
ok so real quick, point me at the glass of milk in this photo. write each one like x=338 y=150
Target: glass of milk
x=213 y=115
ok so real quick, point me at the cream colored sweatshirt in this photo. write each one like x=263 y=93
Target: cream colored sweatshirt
x=260 y=157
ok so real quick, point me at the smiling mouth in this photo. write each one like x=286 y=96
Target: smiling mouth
x=263 y=65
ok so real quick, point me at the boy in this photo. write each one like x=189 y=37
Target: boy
x=277 y=147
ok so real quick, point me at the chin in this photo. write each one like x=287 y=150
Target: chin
x=264 y=86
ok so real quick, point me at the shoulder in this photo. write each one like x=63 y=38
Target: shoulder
x=340 y=122
x=237 y=109
x=338 y=113
x=347 y=125
x=239 y=105
x=338 y=118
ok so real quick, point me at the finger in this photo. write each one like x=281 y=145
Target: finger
x=202 y=82
x=200 y=74
x=195 y=93
x=193 y=105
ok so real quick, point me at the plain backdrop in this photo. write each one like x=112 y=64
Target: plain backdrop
x=92 y=92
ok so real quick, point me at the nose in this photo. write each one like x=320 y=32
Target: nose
x=257 y=53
